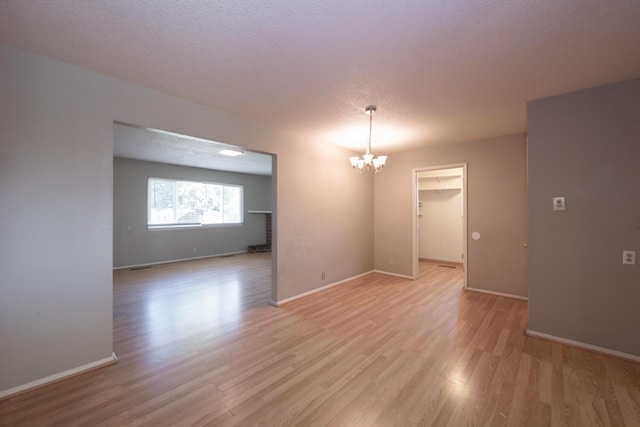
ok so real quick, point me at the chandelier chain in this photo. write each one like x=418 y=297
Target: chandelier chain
x=370 y=130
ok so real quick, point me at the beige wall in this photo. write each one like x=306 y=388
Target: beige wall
x=585 y=146
x=496 y=171
x=56 y=221
x=325 y=218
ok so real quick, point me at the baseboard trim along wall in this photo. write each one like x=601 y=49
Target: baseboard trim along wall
x=178 y=260
x=499 y=294
x=393 y=274
x=441 y=261
x=5 y=394
x=584 y=346
x=324 y=288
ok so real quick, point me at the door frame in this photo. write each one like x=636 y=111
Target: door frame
x=465 y=219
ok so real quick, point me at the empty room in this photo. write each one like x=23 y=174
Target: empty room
x=318 y=213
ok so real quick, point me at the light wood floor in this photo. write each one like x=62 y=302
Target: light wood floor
x=199 y=345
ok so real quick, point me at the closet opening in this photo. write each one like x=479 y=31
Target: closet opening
x=440 y=217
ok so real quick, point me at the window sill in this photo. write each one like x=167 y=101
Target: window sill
x=193 y=226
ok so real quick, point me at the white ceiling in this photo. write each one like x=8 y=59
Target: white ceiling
x=157 y=146
x=440 y=71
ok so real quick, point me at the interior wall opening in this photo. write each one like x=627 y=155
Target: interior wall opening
x=204 y=179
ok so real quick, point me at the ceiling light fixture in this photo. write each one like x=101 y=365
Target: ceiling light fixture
x=368 y=161
x=230 y=152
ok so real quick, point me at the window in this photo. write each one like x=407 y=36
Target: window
x=173 y=203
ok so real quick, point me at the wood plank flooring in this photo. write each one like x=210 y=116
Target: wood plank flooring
x=198 y=344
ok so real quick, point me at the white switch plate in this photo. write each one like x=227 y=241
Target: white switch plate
x=629 y=257
x=558 y=204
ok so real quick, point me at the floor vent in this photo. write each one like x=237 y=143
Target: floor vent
x=447 y=266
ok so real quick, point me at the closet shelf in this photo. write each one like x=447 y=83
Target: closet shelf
x=441 y=188
x=446 y=182
x=440 y=179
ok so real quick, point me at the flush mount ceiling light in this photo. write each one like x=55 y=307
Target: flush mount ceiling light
x=230 y=152
x=368 y=161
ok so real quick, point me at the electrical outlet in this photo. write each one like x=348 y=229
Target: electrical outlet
x=629 y=257
x=322 y=275
x=558 y=204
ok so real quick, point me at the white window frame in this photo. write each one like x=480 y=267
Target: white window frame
x=195 y=224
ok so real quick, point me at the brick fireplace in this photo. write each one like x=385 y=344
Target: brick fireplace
x=267 y=246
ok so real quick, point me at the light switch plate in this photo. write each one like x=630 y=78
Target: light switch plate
x=558 y=204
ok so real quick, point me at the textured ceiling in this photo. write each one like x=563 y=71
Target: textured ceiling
x=156 y=146
x=439 y=71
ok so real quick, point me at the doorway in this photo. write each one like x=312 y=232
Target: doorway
x=200 y=217
x=440 y=216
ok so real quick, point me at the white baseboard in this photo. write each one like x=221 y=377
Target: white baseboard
x=393 y=274
x=178 y=260
x=584 y=346
x=499 y=294
x=4 y=394
x=331 y=285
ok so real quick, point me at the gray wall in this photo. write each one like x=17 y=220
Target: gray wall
x=497 y=208
x=134 y=244
x=585 y=146
x=56 y=218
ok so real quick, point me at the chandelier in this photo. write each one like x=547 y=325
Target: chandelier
x=368 y=161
